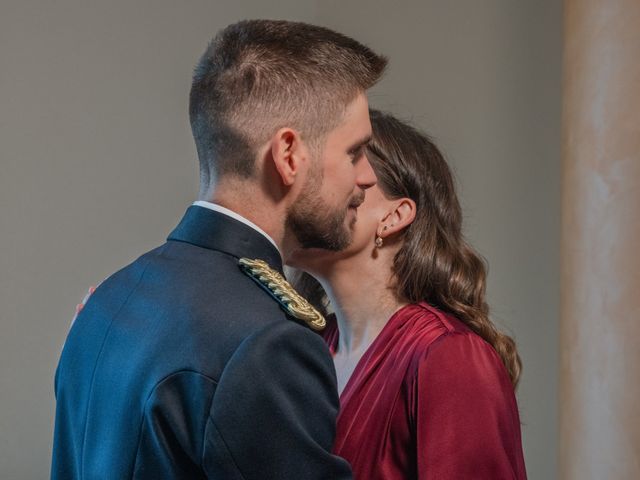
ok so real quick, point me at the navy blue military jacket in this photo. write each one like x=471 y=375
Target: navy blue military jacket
x=182 y=366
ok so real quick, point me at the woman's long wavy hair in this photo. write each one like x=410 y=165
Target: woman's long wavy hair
x=434 y=264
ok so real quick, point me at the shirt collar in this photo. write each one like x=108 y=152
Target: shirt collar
x=236 y=216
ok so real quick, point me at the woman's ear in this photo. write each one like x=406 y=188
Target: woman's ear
x=287 y=152
x=399 y=217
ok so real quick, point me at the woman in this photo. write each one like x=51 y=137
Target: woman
x=426 y=380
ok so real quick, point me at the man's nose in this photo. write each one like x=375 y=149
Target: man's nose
x=365 y=176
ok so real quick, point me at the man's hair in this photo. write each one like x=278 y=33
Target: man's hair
x=257 y=76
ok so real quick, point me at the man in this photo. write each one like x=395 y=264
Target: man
x=184 y=364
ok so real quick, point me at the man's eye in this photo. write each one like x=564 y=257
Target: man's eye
x=357 y=153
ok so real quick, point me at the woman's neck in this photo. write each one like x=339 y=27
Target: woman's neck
x=362 y=298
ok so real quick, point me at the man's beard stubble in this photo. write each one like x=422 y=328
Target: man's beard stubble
x=315 y=224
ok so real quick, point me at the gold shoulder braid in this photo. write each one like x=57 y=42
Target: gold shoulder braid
x=294 y=304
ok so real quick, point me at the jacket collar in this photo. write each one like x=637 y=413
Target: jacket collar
x=216 y=231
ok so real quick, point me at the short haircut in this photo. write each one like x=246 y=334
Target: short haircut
x=257 y=76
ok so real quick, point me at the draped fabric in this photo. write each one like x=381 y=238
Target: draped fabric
x=429 y=400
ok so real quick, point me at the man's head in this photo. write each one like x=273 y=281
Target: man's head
x=325 y=213
x=259 y=77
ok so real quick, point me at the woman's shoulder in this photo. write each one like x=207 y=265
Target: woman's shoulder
x=459 y=394
x=455 y=347
x=431 y=325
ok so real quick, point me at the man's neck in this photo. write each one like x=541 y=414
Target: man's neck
x=260 y=211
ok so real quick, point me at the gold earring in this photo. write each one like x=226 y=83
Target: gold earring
x=379 y=241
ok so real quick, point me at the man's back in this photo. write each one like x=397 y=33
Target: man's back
x=181 y=366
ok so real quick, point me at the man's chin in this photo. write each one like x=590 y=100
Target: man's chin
x=320 y=230
x=352 y=218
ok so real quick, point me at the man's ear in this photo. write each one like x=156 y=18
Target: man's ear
x=400 y=216
x=287 y=152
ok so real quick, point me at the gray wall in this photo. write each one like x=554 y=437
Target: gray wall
x=97 y=164
x=484 y=79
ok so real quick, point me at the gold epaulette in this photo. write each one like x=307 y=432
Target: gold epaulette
x=293 y=303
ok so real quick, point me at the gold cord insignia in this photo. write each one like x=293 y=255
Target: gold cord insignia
x=294 y=304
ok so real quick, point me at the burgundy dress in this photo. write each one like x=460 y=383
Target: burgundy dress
x=428 y=400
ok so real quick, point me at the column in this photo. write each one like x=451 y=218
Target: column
x=600 y=308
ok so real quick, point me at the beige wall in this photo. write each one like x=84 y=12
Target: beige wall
x=97 y=164
x=600 y=308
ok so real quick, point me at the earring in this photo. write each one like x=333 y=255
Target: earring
x=379 y=241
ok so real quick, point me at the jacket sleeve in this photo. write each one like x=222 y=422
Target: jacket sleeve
x=466 y=416
x=274 y=411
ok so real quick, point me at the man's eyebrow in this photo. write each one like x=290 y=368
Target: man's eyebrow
x=361 y=143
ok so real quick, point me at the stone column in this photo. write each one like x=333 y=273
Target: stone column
x=600 y=308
